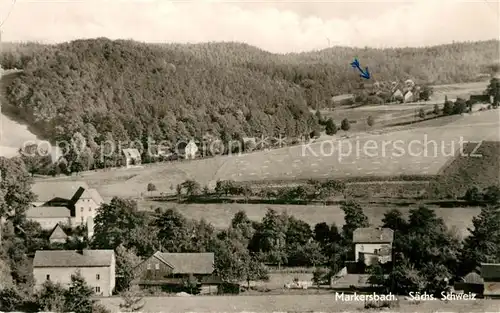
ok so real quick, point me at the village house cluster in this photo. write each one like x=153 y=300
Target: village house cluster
x=66 y=205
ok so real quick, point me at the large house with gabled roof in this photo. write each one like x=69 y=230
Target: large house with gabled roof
x=69 y=203
x=373 y=245
x=131 y=157
x=97 y=267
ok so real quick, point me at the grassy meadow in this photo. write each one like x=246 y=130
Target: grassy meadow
x=294 y=303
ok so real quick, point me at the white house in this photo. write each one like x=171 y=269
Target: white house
x=397 y=95
x=131 y=157
x=63 y=202
x=97 y=267
x=190 y=150
x=373 y=243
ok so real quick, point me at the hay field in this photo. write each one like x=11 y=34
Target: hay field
x=292 y=303
x=407 y=151
x=454 y=91
x=220 y=215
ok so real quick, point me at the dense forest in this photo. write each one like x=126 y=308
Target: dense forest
x=125 y=90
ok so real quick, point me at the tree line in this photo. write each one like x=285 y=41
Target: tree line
x=126 y=91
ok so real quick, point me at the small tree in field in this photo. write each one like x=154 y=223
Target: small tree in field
x=345 y=125
x=151 y=187
x=436 y=109
x=370 y=121
x=421 y=113
x=330 y=127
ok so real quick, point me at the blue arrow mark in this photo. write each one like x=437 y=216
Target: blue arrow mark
x=365 y=74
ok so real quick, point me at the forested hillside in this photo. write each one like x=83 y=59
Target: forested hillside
x=128 y=90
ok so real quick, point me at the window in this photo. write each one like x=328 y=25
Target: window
x=157 y=266
x=97 y=276
x=97 y=289
x=90 y=209
x=48 y=277
x=81 y=209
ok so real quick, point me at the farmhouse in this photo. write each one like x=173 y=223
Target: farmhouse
x=97 y=267
x=471 y=282
x=131 y=157
x=58 y=235
x=64 y=202
x=372 y=244
x=397 y=96
x=175 y=269
x=490 y=273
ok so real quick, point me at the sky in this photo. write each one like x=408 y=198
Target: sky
x=277 y=26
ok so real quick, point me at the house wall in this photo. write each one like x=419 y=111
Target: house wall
x=368 y=248
x=156 y=271
x=84 y=208
x=191 y=151
x=57 y=240
x=62 y=275
x=51 y=222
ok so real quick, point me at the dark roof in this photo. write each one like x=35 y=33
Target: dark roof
x=131 y=153
x=46 y=191
x=48 y=212
x=188 y=263
x=373 y=235
x=71 y=258
x=490 y=271
x=58 y=233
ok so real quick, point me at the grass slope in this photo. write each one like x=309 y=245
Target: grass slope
x=468 y=170
x=290 y=164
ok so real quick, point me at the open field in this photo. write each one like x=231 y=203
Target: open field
x=417 y=151
x=293 y=303
x=405 y=112
x=220 y=215
x=454 y=91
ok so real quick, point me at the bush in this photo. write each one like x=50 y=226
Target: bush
x=381 y=304
x=10 y=300
x=330 y=128
x=436 y=109
x=370 y=121
x=315 y=134
x=460 y=106
x=448 y=108
x=421 y=113
x=345 y=125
